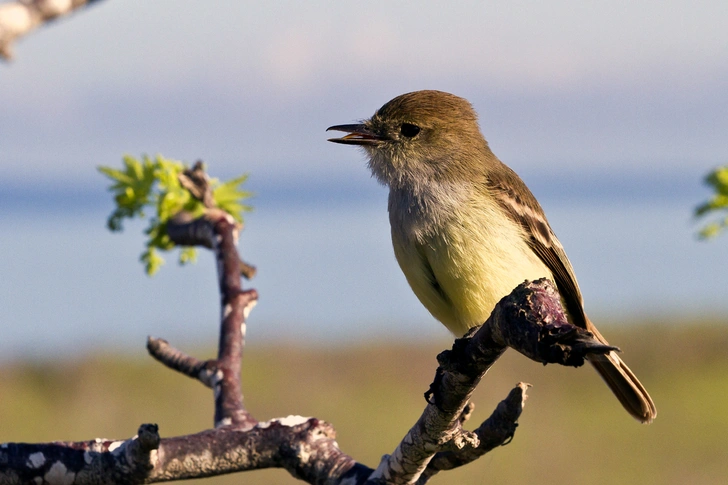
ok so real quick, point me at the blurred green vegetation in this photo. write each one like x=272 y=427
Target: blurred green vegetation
x=716 y=205
x=572 y=429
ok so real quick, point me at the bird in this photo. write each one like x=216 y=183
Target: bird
x=465 y=228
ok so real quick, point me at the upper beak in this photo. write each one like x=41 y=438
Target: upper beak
x=357 y=135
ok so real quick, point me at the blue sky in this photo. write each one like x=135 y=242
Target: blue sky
x=251 y=86
x=611 y=112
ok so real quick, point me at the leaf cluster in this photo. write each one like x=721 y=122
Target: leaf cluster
x=152 y=185
x=717 y=205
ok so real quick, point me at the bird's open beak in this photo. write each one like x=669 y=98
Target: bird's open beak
x=357 y=135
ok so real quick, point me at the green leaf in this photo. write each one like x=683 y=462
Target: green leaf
x=228 y=196
x=187 y=255
x=153 y=184
x=152 y=260
x=131 y=188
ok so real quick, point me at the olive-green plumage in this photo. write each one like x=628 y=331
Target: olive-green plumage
x=465 y=228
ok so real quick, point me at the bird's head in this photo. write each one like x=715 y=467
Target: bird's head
x=420 y=137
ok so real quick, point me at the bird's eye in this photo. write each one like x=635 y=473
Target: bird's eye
x=409 y=130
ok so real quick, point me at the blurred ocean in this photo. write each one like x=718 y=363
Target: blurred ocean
x=326 y=269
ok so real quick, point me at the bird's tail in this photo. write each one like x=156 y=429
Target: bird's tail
x=623 y=383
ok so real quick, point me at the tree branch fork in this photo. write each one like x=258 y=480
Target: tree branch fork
x=530 y=320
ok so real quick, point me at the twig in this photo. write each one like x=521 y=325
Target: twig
x=22 y=17
x=219 y=231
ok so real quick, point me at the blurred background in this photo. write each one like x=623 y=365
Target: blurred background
x=611 y=112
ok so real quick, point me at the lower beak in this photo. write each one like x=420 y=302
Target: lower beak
x=357 y=135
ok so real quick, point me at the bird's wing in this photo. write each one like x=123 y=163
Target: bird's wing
x=520 y=204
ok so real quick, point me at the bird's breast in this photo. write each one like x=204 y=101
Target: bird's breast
x=461 y=254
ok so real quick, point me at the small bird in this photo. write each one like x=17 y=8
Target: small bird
x=465 y=228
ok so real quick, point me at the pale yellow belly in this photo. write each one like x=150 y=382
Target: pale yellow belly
x=473 y=265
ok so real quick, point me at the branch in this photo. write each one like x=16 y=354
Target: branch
x=497 y=430
x=23 y=16
x=97 y=461
x=304 y=446
x=530 y=320
x=187 y=231
x=219 y=231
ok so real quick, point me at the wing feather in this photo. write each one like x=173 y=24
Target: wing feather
x=520 y=204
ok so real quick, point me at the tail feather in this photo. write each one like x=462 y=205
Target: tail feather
x=623 y=383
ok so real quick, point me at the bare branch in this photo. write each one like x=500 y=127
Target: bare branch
x=205 y=371
x=247 y=270
x=496 y=431
x=530 y=320
x=306 y=447
x=184 y=230
x=88 y=462
x=22 y=17
x=236 y=305
x=219 y=231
